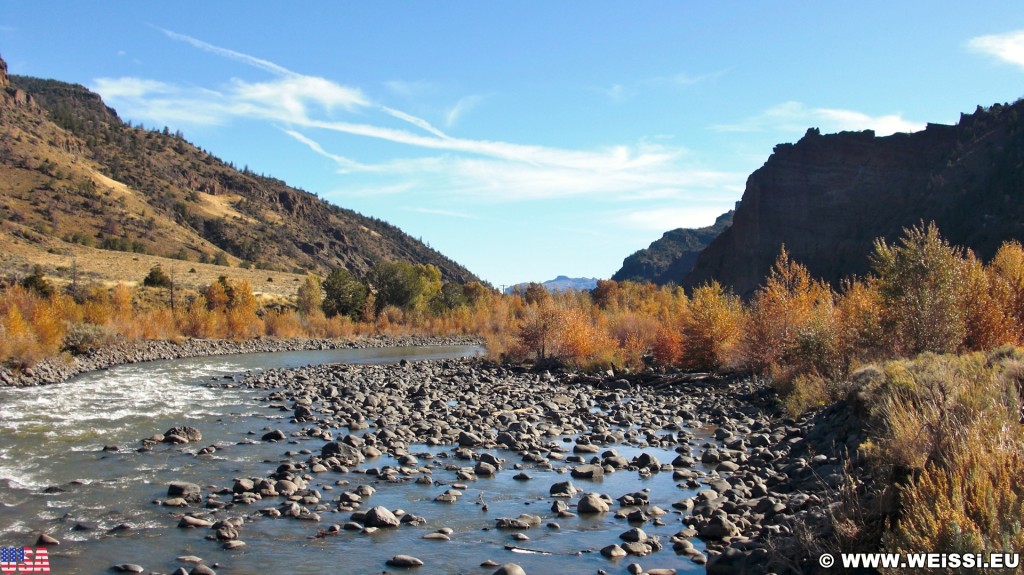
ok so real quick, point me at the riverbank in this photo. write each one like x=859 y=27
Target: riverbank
x=63 y=368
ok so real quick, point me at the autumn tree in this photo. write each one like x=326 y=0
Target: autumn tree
x=712 y=328
x=310 y=296
x=920 y=283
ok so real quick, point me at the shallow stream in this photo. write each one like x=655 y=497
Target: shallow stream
x=55 y=477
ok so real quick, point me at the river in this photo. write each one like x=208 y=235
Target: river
x=56 y=477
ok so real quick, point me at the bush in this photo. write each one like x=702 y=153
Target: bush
x=919 y=280
x=37 y=282
x=157 y=278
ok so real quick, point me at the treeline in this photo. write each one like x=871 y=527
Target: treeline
x=923 y=295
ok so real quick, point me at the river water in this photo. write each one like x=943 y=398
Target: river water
x=56 y=478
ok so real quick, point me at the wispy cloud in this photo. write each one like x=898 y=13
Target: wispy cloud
x=463 y=106
x=315 y=111
x=446 y=213
x=1008 y=47
x=238 y=56
x=797 y=117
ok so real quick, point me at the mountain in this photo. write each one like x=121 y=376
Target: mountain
x=560 y=283
x=827 y=197
x=670 y=258
x=73 y=175
x=563 y=283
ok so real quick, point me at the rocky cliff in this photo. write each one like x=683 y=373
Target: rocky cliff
x=827 y=197
x=671 y=257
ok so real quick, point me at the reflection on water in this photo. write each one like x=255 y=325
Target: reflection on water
x=56 y=477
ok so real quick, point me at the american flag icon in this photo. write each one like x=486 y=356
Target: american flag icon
x=24 y=560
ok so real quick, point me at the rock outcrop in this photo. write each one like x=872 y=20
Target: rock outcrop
x=670 y=258
x=828 y=197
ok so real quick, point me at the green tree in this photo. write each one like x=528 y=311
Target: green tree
x=920 y=281
x=344 y=295
x=396 y=283
x=157 y=277
x=450 y=297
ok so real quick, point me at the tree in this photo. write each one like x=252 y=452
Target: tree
x=344 y=295
x=451 y=296
x=397 y=284
x=310 y=295
x=535 y=293
x=920 y=283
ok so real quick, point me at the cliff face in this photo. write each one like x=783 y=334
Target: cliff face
x=826 y=198
x=670 y=258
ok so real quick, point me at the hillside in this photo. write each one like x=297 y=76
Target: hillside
x=827 y=197
x=76 y=181
x=670 y=258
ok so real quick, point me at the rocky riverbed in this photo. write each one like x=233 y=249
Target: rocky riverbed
x=746 y=481
x=60 y=369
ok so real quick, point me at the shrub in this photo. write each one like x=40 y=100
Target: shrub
x=973 y=504
x=919 y=280
x=37 y=282
x=157 y=277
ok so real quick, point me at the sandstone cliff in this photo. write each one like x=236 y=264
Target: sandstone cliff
x=827 y=197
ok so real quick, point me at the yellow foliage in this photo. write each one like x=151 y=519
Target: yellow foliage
x=712 y=328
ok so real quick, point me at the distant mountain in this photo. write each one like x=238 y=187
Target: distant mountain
x=561 y=283
x=72 y=173
x=670 y=258
x=827 y=197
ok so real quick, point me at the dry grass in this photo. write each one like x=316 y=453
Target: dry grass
x=95 y=266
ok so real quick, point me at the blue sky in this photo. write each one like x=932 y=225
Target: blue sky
x=529 y=139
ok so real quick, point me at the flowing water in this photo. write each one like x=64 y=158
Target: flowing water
x=55 y=477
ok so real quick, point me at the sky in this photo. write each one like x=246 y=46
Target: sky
x=529 y=139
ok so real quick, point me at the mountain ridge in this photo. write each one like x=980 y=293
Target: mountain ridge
x=74 y=173
x=670 y=258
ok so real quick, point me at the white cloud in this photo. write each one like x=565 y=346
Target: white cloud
x=797 y=117
x=461 y=107
x=1008 y=47
x=315 y=111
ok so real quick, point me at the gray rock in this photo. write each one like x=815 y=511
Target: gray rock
x=380 y=517
x=404 y=561
x=592 y=503
x=182 y=434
